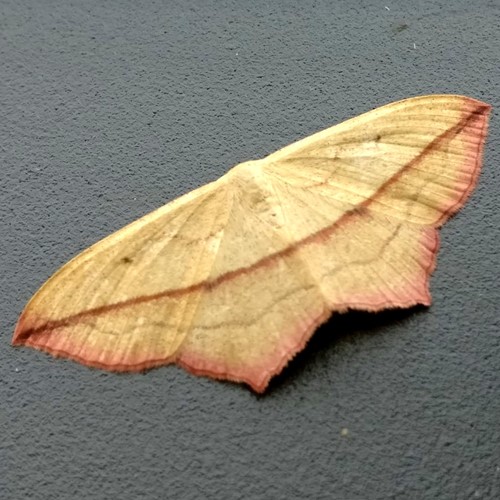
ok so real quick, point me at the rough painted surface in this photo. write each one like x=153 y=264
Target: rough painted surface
x=109 y=111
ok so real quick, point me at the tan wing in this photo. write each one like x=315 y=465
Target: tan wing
x=231 y=280
x=119 y=304
x=362 y=199
x=416 y=159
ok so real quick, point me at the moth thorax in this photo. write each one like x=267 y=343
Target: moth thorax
x=248 y=171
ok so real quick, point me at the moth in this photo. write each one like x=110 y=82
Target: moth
x=232 y=279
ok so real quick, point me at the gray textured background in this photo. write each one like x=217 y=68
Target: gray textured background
x=109 y=110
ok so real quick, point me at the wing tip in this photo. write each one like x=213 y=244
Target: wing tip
x=23 y=330
x=476 y=115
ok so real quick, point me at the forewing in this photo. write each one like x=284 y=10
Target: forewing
x=123 y=303
x=362 y=201
x=415 y=160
